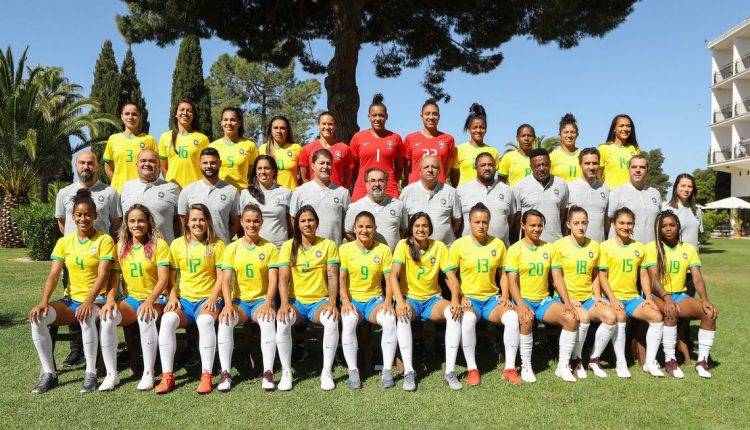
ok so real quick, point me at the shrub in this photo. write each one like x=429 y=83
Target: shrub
x=38 y=229
x=711 y=220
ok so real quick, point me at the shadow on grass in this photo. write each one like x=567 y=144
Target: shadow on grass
x=10 y=319
x=711 y=250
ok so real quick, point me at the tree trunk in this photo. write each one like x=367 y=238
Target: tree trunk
x=10 y=233
x=44 y=181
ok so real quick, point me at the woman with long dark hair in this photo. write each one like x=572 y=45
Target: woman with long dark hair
x=272 y=198
x=236 y=152
x=429 y=141
x=180 y=148
x=280 y=145
x=684 y=204
x=564 y=159
x=343 y=163
x=620 y=146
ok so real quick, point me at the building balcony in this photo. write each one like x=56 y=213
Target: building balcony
x=741 y=65
x=738 y=154
x=742 y=107
x=723 y=113
x=725 y=72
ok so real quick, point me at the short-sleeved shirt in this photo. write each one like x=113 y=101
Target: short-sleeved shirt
x=197 y=265
x=577 y=264
x=478 y=265
x=515 y=166
x=418 y=146
x=564 y=164
x=250 y=264
x=82 y=258
x=441 y=204
x=622 y=264
x=286 y=158
x=365 y=269
x=140 y=272
x=532 y=263
x=691 y=224
x=499 y=200
x=369 y=150
x=122 y=152
x=275 y=210
x=183 y=158
x=390 y=218
x=330 y=203
x=105 y=198
x=677 y=262
x=645 y=204
x=222 y=200
x=160 y=197
x=614 y=161
x=236 y=160
x=309 y=280
x=466 y=155
x=343 y=163
x=419 y=281
x=547 y=199
x=595 y=200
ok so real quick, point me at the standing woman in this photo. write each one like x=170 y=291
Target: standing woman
x=429 y=142
x=343 y=164
x=237 y=153
x=193 y=295
x=516 y=164
x=564 y=158
x=180 y=148
x=616 y=153
x=464 y=168
x=273 y=200
x=280 y=145
x=683 y=203
x=121 y=152
x=253 y=261
x=417 y=261
x=88 y=255
x=377 y=147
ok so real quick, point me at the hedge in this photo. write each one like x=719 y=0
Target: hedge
x=39 y=229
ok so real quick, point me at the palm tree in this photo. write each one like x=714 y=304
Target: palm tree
x=548 y=143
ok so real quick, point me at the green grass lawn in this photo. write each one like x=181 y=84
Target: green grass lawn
x=642 y=402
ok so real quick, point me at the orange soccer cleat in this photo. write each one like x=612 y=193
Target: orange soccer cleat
x=166 y=385
x=206 y=384
x=472 y=377
x=511 y=375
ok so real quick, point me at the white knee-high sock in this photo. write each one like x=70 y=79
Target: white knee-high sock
x=618 y=342
x=452 y=340
x=403 y=333
x=149 y=344
x=705 y=342
x=653 y=338
x=583 y=330
x=567 y=343
x=90 y=339
x=469 y=339
x=43 y=340
x=669 y=341
x=225 y=340
x=206 y=341
x=109 y=341
x=168 y=340
x=601 y=339
x=349 y=339
x=330 y=341
x=526 y=344
x=511 y=338
x=267 y=343
x=388 y=338
x=284 y=341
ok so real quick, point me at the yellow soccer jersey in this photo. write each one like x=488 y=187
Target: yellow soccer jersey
x=420 y=282
x=577 y=264
x=197 y=266
x=139 y=273
x=466 y=155
x=614 y=160
x=478 y=265
x=678 y=261
x=122 y=151
x=565 y=164
x=286 y=158
x=183 y=159
x=81 y=258
x=236 y=160
x=622 y=263
x=365 y=269
x=515 y=166
x=532 y=265
x=250 y=264
x=309 y=281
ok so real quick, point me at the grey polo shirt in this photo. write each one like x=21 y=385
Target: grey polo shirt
x=275 y=211
x=107 y=205
x=390 y=217
x=691 y=224
x=221 y=199
x=499 y=200
x=330 y=202
x=528 y=193
x=645 y=204
x=595 y=200
x=160 y=197
x=441 y=204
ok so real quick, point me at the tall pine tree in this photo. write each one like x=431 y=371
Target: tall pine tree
x=188 y=83
x=130 y=88
x=106 y=87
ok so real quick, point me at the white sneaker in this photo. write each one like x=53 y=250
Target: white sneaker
x=580 y=371
x=564 y=373
x=596 y=367
x=702 y=368
x=326 y=382
x=653 y=369
x=527 y=374
x=146 y=383
x=267 y=381
x=621 y=368
x=673 y=368
x=285 y=384
x=110 y=382
x=225 y=384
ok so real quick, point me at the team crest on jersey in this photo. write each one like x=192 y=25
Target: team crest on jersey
x=289 y=153
x=142 y=145
x=242 y=151
x=161 y=194
x=93 y=250
x=557 y=192
x=376 y=260
x=338 y=155
x=603 y=196
x=195 y=142
x=502 y=196
x=493 y=253
x=684 y=256
x=653 y=199
x=389 y=144
x=441 y=144
x=101 y=199
x=432 y=261
x=223 y=197
x=591 y=254
x=336 y=200
x=637 y=253
x=261 y=257
x=318 y=254
x=443 y=202
x=545 y=256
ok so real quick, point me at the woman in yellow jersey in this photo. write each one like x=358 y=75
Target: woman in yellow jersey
x=417 y=262
x=308 y=290
x=237 y=153
x=564 y=158
x=575 y=264
x=121 y=152
x=516 y=165
x=620 y=269
x=88 y=255
x=463 y=169
x=616 y=153
x=668 y=261
x=251 y=293
x=364 y=264
x=280 y=145
x=480 y=258
x=193 y=297
x=180 y=148
x=527 y=264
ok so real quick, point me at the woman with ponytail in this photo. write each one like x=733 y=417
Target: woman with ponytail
x=121 y=152
x=280 y=145
x=564 y=158
x=237 y=153
x=273 y=200
x=516 y=165
x=429 y=141
x=180 y=148
x=464 y=169
x=343 y=164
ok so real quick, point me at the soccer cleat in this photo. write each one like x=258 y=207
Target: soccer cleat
x=527 y=374
x=266 y=382
x=653 y=369
x=225 y=382
x=596 y=367
x=110 y=382
x=74 y=358
x=89 y=382
x=512 y=376
x=354 y=382
x=702 y=368
x=410 y=381
x=47 y=381
x=452 y=381
x=166 y=385
x=473 y=378
x=564 y=373
x=674 y=369
x=386 y=379
x=579 y=370
x=146 y=383
x=326 y=382
x=621 y=368
x=285 y=384
x=205 y=386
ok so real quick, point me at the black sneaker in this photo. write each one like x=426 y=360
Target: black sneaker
x=75 y=357
x=47 y=382
x=89 y=382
